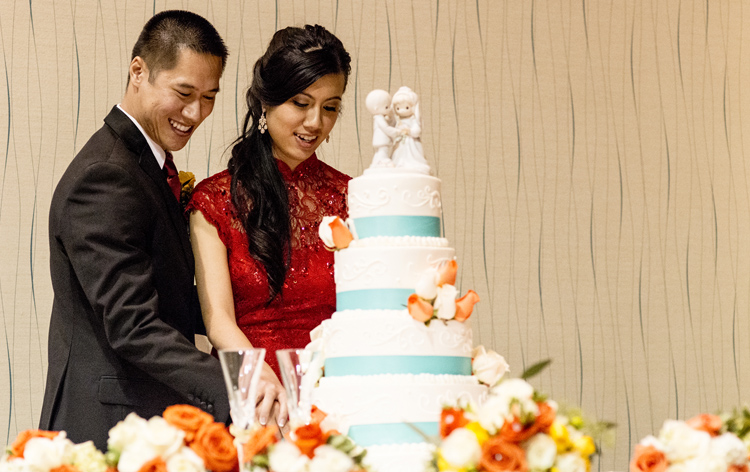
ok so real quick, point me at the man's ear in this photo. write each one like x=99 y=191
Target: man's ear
x=138 y=71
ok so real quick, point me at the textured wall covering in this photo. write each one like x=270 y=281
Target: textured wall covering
x=592 y=153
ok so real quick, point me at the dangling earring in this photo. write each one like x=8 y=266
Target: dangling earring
x=262 y=123
x=328 y=138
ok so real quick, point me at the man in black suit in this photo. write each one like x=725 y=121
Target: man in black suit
x=125 y=312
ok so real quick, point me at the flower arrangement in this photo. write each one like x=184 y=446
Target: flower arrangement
x=308 y=448
x=335 y=233
x=435 y=296
x=184 y=439
x=50 y=451
x=515 y=429
x=705 y=443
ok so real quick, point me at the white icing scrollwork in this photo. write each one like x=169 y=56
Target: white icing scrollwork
x=369 y=200
x=361 y=269
x=425 y=197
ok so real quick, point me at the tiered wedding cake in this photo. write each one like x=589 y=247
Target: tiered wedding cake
x=396 y=350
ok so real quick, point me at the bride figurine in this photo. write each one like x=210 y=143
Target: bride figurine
x=407 y=148
x=378 y=102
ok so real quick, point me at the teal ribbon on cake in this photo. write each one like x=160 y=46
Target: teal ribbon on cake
x=391 y=433
x=373 y=299
x=397 y=225
x=374 y=365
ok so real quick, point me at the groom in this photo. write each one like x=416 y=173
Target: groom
x=124 y=314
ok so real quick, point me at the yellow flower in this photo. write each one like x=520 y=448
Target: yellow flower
x=559 y=432
x=481 y=434
x=576 y=422
x=187 y=181
x=585 y=446
x=445 y=466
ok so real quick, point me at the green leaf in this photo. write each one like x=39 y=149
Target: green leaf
x=535 y=369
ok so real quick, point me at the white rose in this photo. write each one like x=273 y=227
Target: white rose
x=285 y=457
x=14 y=465
x=427 y=285
x=125 y=432
x=164 y=437
x=570 y=462
x=185 y=460
x=489 y=367
x=681 y=442
x=445 y=302
x=329 y=459
x=696 y=464
x=461 y=449
x=45 y=453
x=652 y=441
x=728 y=448
x=541 y=452
x=86 y=456
x=514 y=388
x=492 y=413
x=135 y=454
x=325 y=232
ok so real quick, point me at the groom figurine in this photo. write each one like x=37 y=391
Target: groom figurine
x=124 y=317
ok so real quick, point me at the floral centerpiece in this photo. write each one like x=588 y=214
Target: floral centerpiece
x=705 y=443
x=516 y=429
x=185 y=439
x=308 y=448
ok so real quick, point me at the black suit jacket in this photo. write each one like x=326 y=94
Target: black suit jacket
x=125 y=311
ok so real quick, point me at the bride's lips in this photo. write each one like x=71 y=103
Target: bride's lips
x=306 y=140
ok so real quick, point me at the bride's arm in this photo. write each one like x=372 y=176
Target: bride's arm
x=217 y=305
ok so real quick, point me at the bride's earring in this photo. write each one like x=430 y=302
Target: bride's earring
x=328 y=138
x=262 y=123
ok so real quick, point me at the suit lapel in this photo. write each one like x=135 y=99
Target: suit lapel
x=135 y=141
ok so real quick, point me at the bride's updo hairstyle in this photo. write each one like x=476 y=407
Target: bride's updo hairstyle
x=295 y=59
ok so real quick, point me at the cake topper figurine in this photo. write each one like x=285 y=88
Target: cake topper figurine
x=378 y=103
x=397 y=145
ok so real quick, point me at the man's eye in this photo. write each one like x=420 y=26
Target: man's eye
x=331 y=108
x=299 y=104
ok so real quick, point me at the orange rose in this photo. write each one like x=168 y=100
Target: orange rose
x=516 y=432
x=18 y=446
x=465 y=305
x=545 y=417
x=65 y=468
x=447 y=273
x=708 y=423
x=341 y=235
x=648 y=459
x=259 y=441
x=187 y=418
x=419 y=309
x=451 y=419
x=154 y=465
x=309 y=437
x=317 y=415
x=213 y=444
x=501 y=456
x=737 y=468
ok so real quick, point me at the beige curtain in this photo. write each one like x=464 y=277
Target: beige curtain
x=592 y=153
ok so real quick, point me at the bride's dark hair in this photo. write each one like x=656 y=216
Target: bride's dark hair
x=295 y=59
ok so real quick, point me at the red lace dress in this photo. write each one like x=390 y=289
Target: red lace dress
x=309 y=294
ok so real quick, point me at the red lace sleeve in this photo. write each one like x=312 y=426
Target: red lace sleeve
x=212 y=198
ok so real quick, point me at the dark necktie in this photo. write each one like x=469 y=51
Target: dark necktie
x=173 y=177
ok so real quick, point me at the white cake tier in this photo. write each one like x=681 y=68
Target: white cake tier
x=375 y=409
x=370 y=342
x=399 y=457
x=382 y=277
x=399 y=241
x=391 y=202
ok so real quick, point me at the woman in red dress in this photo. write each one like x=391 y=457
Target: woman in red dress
x=264 y=277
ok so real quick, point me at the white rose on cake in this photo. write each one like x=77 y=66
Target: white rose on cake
x=488 y=366
x=445 y=302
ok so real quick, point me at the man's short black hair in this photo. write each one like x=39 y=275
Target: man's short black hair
x=170 y=31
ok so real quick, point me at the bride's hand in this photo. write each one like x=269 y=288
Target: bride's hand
x=271 y=399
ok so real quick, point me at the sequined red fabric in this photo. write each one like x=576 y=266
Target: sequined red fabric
x=309 y=295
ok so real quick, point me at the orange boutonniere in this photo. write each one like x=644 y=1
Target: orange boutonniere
x=187 y=183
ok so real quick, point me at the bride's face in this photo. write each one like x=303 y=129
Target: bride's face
x=403 y=109
x=299 y=125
